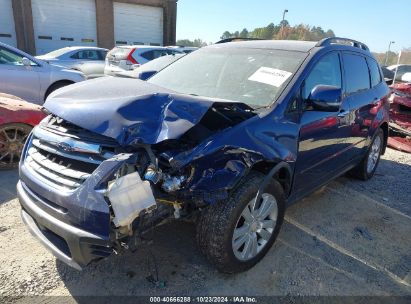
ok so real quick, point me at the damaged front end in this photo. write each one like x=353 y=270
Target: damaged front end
x=90 y=184
x=400 y=117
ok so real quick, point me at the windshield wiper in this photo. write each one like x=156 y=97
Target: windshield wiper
x=259 y=107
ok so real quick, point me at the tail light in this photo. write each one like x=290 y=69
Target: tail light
x=130 y=59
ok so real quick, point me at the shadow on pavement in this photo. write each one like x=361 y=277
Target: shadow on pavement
x=390 y=185
x=8 y=181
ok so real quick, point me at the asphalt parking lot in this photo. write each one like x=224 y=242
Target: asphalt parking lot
x=350 y=238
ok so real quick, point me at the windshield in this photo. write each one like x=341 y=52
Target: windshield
x=252 y=76
x=57 y=53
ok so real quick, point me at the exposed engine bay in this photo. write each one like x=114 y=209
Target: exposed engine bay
x=152 y=182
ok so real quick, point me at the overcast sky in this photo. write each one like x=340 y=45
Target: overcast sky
x=372 y=22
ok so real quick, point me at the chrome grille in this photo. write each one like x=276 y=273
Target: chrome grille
x=44 y=163
x=63 y=160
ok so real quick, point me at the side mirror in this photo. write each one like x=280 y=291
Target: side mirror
x=326 y=98
x=406 y=77
x=25 y=61
x=146 y=75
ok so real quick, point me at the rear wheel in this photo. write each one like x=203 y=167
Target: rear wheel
x=366 y=169
x=12 y=139
x=235 y=235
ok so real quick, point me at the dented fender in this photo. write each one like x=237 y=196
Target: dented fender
x=221 y=162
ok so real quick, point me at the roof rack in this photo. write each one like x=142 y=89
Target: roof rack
x=236 y=39
x=339 y=40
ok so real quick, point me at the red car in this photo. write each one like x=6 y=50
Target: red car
x=400 y=117
x=17 y=118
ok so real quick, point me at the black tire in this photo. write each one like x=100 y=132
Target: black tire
x=217 y=223
x=56 y=86
x=361 y=171
x=12 y=139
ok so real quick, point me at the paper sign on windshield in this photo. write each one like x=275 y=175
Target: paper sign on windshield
x=270 y=76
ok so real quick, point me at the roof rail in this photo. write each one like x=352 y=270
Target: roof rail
x=235 y=39
x=339 y=40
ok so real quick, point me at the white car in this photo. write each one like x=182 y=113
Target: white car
x=128 y=57
x=406 y=77
x=400 y=69
x=29 y=78
x=151 y=67
x=88 y=60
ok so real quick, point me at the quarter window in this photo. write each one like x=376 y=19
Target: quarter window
x=374 y=72
x=327 y=71
x=356 y=73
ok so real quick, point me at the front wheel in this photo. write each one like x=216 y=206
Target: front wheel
x=12 y=139
x=366 y=169
x=235 y=235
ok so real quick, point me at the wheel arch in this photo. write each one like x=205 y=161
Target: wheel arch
x=281 y=171
x=61 y=81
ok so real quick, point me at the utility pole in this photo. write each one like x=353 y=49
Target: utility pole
x=282 y=23
x=388 y=52
x=285 y=12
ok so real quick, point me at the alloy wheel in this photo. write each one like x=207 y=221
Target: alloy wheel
x=255 y=227
x=12 y=139
x=374 y=154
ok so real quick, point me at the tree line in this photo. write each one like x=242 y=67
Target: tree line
x=282 y=31
x=391 y=58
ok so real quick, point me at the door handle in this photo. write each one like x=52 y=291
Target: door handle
x=343 y=113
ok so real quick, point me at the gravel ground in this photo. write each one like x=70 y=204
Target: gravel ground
x=350 y=238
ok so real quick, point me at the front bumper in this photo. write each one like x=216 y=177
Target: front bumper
x=72 y=245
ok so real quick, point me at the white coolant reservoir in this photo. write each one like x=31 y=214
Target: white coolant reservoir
x=129 y=195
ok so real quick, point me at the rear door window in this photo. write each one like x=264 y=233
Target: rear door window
x=374 y=72
x=356 y=73
x=150 y=55
x=102 y=54
x=86 y=55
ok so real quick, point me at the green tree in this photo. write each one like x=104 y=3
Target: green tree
x=196 y=43
x=199 y=43
x=283 y=30
x=244 y=33
x=226 y=35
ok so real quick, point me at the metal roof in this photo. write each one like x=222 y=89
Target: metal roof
x=289 y=45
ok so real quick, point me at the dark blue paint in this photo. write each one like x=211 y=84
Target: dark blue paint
x=316 y=146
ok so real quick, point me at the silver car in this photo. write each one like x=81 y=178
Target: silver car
x=29 y=78
x=88 y=60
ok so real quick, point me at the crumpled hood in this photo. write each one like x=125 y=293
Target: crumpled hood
x=128 y=110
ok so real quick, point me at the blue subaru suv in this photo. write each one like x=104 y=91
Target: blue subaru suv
x=229 y=136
